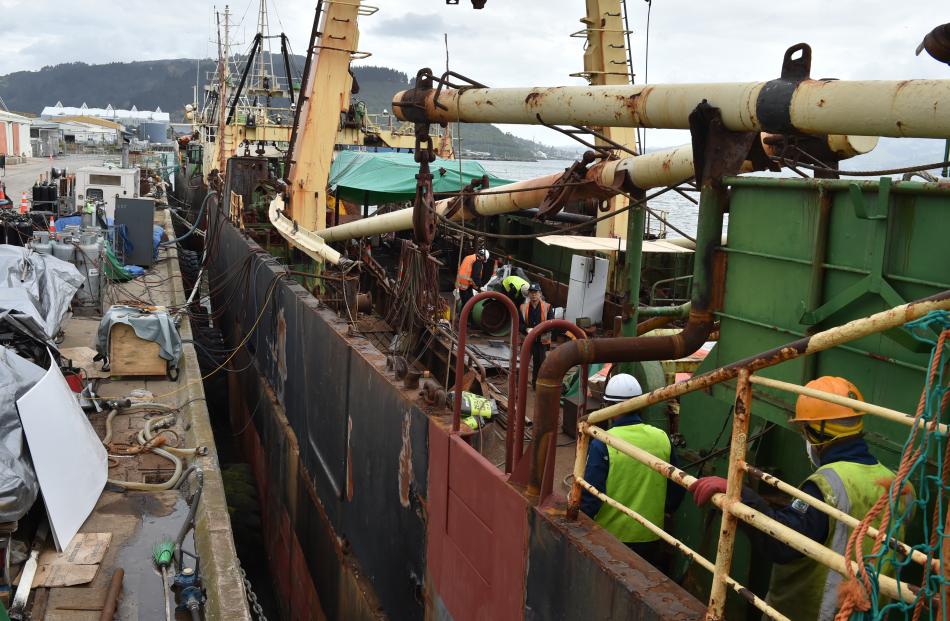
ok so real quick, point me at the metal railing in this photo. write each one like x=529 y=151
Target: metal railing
x=734 y=510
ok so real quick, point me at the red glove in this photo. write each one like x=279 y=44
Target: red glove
x=705 y=488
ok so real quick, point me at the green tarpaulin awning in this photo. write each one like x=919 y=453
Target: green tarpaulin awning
x=379 y=178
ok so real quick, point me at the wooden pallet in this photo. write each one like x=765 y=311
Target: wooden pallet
x=131 y=355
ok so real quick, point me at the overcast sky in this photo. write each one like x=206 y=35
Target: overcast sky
x=510 y=42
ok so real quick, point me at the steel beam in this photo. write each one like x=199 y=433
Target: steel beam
x=897 y=108
x=658 y=169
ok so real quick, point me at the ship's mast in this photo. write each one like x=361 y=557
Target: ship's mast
x=263 y=82
x=223 y=70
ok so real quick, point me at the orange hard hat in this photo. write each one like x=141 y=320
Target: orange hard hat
x=808 y=409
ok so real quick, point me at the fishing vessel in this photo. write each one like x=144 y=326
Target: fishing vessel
x=377 y=502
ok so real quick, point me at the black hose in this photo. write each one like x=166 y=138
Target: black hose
x=188 y=524
x=194 y=227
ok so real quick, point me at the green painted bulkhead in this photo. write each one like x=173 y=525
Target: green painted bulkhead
x=804 y=255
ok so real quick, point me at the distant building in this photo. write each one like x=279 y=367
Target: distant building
x=52 y=137
x=129 y=118
x=91 y=129
x=15 y=135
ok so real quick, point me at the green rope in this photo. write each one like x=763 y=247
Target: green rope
x=932 y=492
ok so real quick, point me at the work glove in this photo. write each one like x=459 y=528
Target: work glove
x=705 y=488
x=456 y=294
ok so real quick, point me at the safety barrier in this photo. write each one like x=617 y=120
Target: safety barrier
x=730 y=502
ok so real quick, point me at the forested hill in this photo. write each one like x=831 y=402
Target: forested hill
x=169 y=85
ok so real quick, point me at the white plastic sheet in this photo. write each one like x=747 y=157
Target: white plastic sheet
x=69 y=459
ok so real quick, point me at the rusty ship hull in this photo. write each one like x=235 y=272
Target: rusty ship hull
x=371 y=508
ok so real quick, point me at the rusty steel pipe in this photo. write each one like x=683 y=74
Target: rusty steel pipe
x=460 y=357
x=516 y=428
x=112 y=595
x=654 y=323
x=631 y=348
x=603 y=180
x=839 y=335
x=896 y=108
x=622 y=349
x=727 y=530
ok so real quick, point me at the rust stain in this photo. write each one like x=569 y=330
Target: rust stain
x=636 y=104
x=349 y=458
x=405 y=463
x=280 y=347
x=533 y=99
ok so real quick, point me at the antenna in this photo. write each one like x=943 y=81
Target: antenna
x=263 y=82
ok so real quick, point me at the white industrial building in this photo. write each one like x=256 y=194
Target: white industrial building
x=117 y=115
x=15 y=135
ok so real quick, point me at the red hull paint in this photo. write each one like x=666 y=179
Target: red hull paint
x=477 y=536
x=295 y=589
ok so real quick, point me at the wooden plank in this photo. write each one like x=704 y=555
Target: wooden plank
x=131 y=355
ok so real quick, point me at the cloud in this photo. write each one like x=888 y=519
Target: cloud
x=510 y=42
x=411 y=25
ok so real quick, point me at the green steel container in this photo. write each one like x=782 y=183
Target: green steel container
x=804 y=255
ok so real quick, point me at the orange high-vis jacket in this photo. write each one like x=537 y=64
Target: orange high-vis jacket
x=463 y=280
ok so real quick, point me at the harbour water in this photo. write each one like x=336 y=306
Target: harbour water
x=681 y=212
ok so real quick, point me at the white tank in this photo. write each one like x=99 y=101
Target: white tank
x=88 y=258
x=63 y=248
x=41 y=243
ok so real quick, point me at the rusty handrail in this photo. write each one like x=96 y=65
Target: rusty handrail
x=460 y=356
x=808 y=547
x=730 y=502
x=621 y=349
x=514 y=438
x=818 y=342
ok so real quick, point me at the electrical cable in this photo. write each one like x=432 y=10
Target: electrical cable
x=646 y=68
x=194 y=227
x=634 y=202
x=863 y=173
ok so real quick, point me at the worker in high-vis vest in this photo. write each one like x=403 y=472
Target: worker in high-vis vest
x=847 y=476
x=516 y=288
x=465 y=280
x=628 y=481
x=533 y=312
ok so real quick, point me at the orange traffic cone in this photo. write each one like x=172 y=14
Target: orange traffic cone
x=3 y=194
x=24 y=204
x=52 y=227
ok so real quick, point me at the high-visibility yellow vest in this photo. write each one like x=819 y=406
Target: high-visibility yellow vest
x=635 y=485
x=805 y=589
x=513 y=284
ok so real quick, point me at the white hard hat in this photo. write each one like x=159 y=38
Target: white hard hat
x=524 y=289
x=483 y=254
x=621 y=387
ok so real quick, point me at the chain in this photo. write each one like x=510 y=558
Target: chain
x=251 y=595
